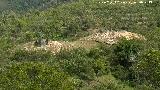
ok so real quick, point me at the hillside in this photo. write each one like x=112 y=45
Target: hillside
x=82 y=45
x=22 y=6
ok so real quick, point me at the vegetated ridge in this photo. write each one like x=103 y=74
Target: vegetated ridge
x=109 y=37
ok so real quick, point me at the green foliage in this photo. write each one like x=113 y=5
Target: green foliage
x=71 y=20
x=101 y=51
x=21 y=6
x=5 y=50
x=123 y=57
x=56 y=21
x=147 y=68
x=100 y=56
x=34 y=76
x=122 y=73
x=144 y=87
x=22 y=55
x=106 y=82
x=125 y=52
x=101 y=67
x=153 y=39
x=78 y=63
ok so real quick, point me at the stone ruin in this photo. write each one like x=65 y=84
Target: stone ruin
x=109 y=37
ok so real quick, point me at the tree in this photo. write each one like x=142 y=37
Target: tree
x=123 y=57
x=125 y=52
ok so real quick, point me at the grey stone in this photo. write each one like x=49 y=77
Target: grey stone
x=41 y=42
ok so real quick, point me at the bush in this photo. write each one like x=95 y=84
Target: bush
x=123 y=57
x=101 y=51
x=77 y=63
x=152 y=39
x=100 y=56
x=6 y=47
x=122 y=73
x=106 y=82
x=125 y=52
x=31 y=76
x=22 y=55
x=101 y=67
x=148 y=67
x=144 y=87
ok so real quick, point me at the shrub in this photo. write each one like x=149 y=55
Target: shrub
x=102 y=51
x=106 y=82
x=125 y=52
x=100 y=56
x=148 y=67
x=22 y=55
x=144 y=87
x=153 y=37
x=77 y=63
x=101 y=67
x=123 y=57
x=122 y=73
x=33 y=76
x=6 y=47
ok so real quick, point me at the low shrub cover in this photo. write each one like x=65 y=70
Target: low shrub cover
x=31 y=76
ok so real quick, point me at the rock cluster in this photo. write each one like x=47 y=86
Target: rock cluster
x=111 y=37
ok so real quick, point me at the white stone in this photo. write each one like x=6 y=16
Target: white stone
x=150 y=1
x=118 y=1
x=140 y=1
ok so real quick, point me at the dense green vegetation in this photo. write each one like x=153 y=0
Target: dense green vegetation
x=21 y=6
x=34 y=76
x=127 y=65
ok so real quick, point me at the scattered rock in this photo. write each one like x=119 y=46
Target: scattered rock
x=109 y=37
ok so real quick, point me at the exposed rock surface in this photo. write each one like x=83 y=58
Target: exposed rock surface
x=109 y=37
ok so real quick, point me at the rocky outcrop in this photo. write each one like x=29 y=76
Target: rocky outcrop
x=109 y=37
